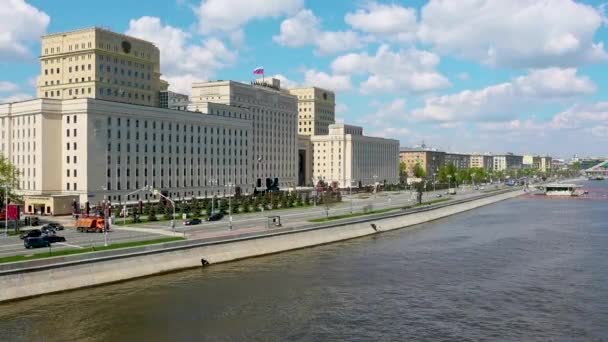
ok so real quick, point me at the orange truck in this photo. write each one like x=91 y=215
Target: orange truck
x=90 y=224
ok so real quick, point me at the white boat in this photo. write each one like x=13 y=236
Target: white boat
x=559 y=189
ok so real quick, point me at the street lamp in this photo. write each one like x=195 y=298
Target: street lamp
x=124 y=208
x=6 y=209
x=434 y=181
x=375 y=185
x=105 y=217
x=213 y=182
x=449 y=182
x=314 y=186
x=229 y=186
x=155 y=192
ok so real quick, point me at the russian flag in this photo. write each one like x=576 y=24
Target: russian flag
x=258 y=71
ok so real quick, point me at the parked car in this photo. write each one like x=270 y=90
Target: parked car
x=30 y=234
x=191 y=222
x=35 y=242
x=438 y=195
x=47 y=229
x=215 y=217
x=56 y=225
x=51 y=238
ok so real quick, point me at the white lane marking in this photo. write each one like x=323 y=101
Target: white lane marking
x=69 y=245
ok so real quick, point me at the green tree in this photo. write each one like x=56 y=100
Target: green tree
x=167 y=212
x=419 y=171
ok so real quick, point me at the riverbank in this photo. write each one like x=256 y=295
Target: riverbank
x=37 y=277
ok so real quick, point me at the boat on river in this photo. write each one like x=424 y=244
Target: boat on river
x=561 y=189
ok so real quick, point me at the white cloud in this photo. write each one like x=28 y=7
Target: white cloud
x=20 y=23
x=393 y=71
x=305 y=29
x=6 y=87
x=324 y=80
x=182 y=60
x=502 y=101
x=231 y=15
x=385 y=20
x=581 y=115
x=15 y=97
x=463 y=76
x=341 y=108
x=387 y=115
x=524 y=33
x=600 y=131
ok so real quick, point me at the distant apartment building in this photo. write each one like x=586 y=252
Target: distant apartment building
x=274 y=113
x=541 y=163
x=348 y=157
x=481 y=161
x=507 y=161
x=172 y=100
x=316 y=110
x=97 y=63
x=429 y=159
x=459 y=160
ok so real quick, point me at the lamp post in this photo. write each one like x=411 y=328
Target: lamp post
x=6 y=209
x=449 y=182
x=213 y=182
x=314 y=186
x=229 y=186
x=105 y=217
x=375 y=186
x=155 y=192
x=124 y=208
x=434 y=181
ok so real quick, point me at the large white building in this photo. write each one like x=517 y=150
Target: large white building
x=274 y=113
x=349 y=158
x=95 y=148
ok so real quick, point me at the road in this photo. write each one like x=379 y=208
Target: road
x=250 y=222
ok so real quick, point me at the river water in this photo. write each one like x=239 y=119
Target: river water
x=526 y=269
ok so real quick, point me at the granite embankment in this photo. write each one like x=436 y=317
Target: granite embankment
x=37 y=277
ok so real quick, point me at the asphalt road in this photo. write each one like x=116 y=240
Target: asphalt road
x=289 y=217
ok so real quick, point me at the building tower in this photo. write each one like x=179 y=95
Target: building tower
x=97 y=63
x=316 y=110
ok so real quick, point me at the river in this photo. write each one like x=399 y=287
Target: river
x=526 y=269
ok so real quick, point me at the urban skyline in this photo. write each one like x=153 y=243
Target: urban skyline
x=411 y=82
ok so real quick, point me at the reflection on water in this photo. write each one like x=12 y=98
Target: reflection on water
x=524 y=269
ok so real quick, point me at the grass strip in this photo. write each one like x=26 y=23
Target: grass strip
x=64 y=252
x=380 y=211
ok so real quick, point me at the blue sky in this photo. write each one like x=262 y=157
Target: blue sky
x=461 y=75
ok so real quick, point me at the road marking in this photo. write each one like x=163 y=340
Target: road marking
x=69 y=245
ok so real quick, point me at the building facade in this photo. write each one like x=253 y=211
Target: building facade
x=481 y=161
x=274 y=115
x=507 y=161
x=316 y=110
x=97 y=63
x=173 y=100
x=349 y=158
x=459 y=160
x=94 y=148
x=429 y=159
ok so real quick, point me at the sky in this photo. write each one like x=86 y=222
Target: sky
x=522 y=76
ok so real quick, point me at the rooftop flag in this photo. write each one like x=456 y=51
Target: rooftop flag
x=258 y=71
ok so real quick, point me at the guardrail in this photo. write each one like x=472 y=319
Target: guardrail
x=61 y=261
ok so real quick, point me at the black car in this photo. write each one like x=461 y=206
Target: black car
x=191 y=222
x=47 y=229
x=35 y=242
x=30 y=234
x=51 y=238
x=55 y=225
x=215 y=217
